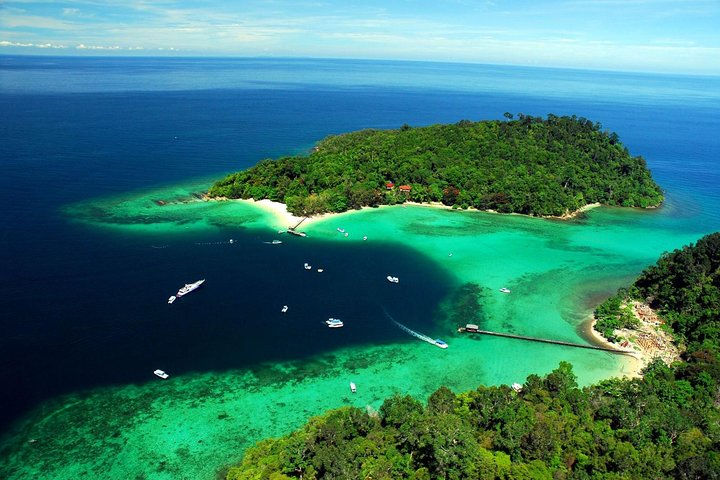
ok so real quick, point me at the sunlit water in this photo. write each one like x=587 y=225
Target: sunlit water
x=91 y=149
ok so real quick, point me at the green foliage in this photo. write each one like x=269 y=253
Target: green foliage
x=527 y=165
x=665 y=425
x=615 y=313
x=684 y=286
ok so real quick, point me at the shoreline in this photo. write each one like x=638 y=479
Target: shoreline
x=284 y=217
x=638 y=361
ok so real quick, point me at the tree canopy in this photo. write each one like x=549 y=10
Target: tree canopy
x=527 y=165
x=664 y=425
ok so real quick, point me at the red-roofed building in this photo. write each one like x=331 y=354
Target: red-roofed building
x=405 y=188
x=389 y=185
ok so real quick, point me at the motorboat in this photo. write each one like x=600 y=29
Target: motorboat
x=161 y=374
x=392 y=279
x=334 y=323
x=189 y=287
x=295 y=232
x=172 y=298
x=276 y=242
x=364 y=237
x=308 y=266
x=320 y=270
x=440 y=343
x=505 y=290
x=341 y=230
x=284 y=309
x=353 y=388
x=517 y=387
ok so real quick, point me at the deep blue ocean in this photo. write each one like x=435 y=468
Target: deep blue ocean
x=79 y=304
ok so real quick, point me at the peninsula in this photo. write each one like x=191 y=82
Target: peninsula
x=530 y=165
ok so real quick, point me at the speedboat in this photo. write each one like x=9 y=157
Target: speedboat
x=364 y=237
x=320 y=270
x=308 y=266
x=284 y=309
x=505 y=290
x=341 y=230
x=392 y=279
x=295 y=232
x=276 y=242
x=440 y=343
x=161 y=374
x=189 y=287
x=517 y=387
x=334 y=322
x=172 y=298
x=353 y=388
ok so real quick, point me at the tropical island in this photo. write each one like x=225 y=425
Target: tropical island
x=663 y=425
x=529 y=165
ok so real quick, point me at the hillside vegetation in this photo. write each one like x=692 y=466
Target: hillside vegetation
x=664 y=425
x=528 y=165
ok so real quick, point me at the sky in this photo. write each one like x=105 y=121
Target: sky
x=674 y=36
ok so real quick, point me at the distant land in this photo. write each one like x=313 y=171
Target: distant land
x=550 y=166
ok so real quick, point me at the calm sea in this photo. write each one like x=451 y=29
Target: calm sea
x=80 y=305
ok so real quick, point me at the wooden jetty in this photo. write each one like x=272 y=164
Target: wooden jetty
x=298 y=224
x=542 y=340
x=293 y=230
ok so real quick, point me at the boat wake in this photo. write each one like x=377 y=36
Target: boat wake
x=424 y=338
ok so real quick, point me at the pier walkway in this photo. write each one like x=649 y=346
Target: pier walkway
x=298 y=224
x=545 y=340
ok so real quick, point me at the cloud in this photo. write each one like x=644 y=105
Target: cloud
x=82 y=46
x=6 y=43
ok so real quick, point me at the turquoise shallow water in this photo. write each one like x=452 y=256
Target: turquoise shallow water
x=193 y=424
x=92 y=147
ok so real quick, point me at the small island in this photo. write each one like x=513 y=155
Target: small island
x=529 y=165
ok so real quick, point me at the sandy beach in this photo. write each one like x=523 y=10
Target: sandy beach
x=636 y=361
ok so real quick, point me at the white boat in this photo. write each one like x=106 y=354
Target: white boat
x=341 y=230
x=189 y=287
x=334 y=322
x=161 y=374
x=353 y=388
x=440 y=343
x=505 y=290
x=308 y=266
x=320 y=270
x=346 y=234
x=364 y=237
x=284 y=309
x=231 y=241
x=276 y=242
x=295 y=232
x=172 y=298
x=517 y=387
x=392 y=279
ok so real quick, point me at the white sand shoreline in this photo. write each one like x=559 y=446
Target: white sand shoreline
x=636 y=362
x=285 y=219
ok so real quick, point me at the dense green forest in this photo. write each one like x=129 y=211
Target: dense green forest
x=664 y=425
x=527 y=165
x=684 y=286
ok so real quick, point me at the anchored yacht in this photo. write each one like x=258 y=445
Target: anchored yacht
x=189 y=287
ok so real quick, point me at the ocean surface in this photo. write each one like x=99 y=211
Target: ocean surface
x=100 y=159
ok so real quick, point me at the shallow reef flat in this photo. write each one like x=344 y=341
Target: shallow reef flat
x=195 y=424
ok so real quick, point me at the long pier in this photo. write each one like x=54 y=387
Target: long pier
x=545 y=340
